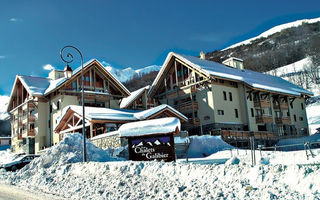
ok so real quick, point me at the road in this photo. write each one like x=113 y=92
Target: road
x=16 y=193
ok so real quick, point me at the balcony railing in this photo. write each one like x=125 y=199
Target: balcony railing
x=283 y=105
x=263 y=102
x=264 y=119
x=283 y=120
x=187 y=106
x=26 y=133
x=174 y=93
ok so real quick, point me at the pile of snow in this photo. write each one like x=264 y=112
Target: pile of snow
x=69 y=150
x=6 y=156
x=313 y=114
x=202 y=146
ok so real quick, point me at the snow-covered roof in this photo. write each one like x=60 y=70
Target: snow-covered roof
x=150 y=127
x=98 y=113
x=254 y=79
x=133 y=96
x=152 y=111
x=36 y=86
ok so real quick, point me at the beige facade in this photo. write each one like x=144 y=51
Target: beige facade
x=37 y=103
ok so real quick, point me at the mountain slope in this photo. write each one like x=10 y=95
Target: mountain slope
x=279 y=46
x=127 y=74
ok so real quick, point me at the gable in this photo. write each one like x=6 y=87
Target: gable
x=96 y=79
x=176 y=73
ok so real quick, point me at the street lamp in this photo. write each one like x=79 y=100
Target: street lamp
x=69 y=60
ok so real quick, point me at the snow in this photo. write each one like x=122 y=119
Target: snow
x=36 y=86
x=277 y=175
x=252 y=78
x=4 y=100
x=274 y=30
x=133 y=96
x=292 y=68
x=205 y=145
x=150 y=127
x=313 y=115
x=97 y=113
x=127 y=74
x=152 y=111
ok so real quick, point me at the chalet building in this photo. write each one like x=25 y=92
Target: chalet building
x=36 y=103
x=226 y=96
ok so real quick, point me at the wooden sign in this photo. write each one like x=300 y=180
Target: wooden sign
x=153 y=147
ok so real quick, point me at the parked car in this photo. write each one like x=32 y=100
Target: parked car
x=18 y=163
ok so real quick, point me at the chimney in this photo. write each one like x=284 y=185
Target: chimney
x=234 y=62
x=202 y=55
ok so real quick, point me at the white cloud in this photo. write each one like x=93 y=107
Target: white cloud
x=15 y=19
x=4 y=100
x=48 y=67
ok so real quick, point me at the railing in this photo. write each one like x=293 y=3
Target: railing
x=262 y=102
x=283 y=120
x=264 y=119
x=186 y=106
x=283 y=105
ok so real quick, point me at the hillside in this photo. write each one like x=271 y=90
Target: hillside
x=279 y=46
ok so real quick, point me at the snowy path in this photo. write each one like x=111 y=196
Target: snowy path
x=16 y=193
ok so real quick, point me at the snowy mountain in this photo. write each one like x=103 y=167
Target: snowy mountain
x=276 y=29
x=127 y=74
x=279 y=46
x=4 y=100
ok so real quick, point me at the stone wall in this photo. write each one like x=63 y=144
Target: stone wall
x=112 y=141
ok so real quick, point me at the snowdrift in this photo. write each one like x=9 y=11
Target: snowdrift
x=205 y=145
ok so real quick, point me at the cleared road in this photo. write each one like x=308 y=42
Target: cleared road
x=16 y=193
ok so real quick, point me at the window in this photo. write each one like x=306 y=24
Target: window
x=301 y=106
x=295 y=117
x=301 y=118
x=50 y=108
x=230 y=96
x=220 y=112
x=224 y=95
x=236 y=113
x=252 y=112
x=74 y=85
x=58 y=105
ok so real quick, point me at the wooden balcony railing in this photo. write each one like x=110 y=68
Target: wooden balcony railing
x=283 y=120
x=263 y=102
x=283 y=105
x=264 y=119
x=187 y=106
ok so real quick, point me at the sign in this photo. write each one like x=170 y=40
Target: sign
x=148 y=148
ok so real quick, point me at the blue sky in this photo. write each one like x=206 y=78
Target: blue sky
x=129 y=33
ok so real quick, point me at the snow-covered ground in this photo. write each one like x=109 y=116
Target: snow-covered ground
x=277 y=175
x=313 y=114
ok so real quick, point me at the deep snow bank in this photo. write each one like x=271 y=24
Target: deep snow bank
x=205 y=145
x=69 y=150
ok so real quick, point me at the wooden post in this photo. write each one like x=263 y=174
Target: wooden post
x=94 y=79
x=91 y=130
x=176 y=73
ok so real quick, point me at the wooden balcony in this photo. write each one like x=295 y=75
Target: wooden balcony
x=264 y=119
x=245 y=135
x=283 y=106
x=187 y=106
x=32 y=118
x=263 y=102
x=174 y=94
x=283 y=120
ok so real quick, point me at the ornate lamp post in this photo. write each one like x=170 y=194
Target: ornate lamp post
x=69 y=60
